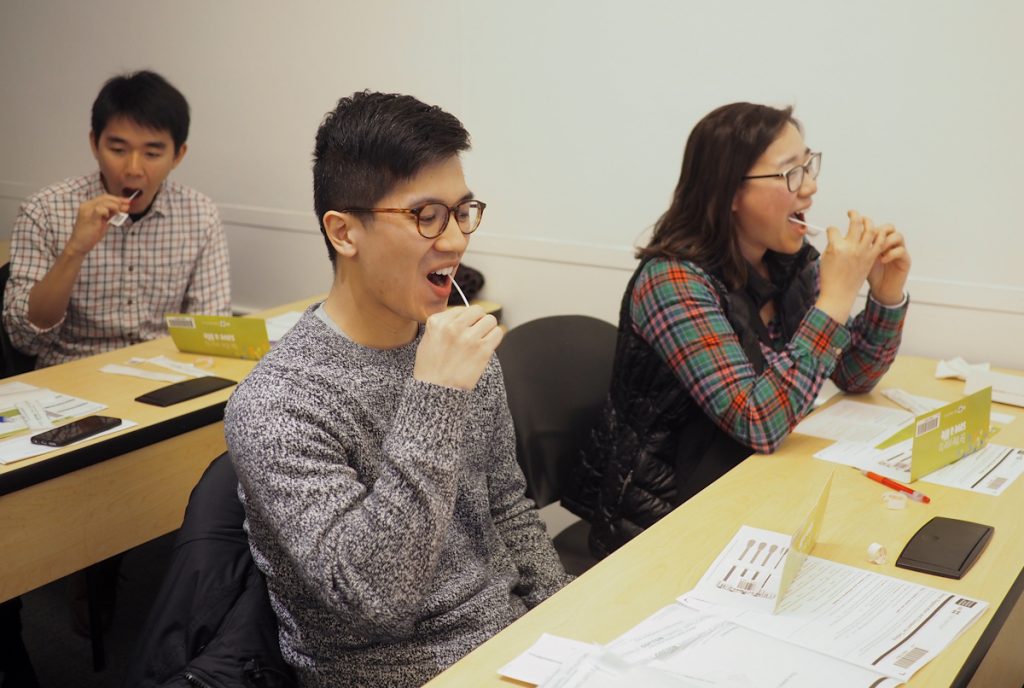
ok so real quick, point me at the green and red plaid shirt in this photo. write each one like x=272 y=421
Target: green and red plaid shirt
x=676 y=309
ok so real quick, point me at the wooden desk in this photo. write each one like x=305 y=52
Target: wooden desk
x=772 y=492
x=69 y=508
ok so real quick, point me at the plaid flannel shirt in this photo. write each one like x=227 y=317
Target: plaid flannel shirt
x=174 y=259
x=676 y=309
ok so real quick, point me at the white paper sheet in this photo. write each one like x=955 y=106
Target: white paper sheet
x=892 y=462
x=924 y=404
x=605 y=670
x=678 y=646
x=279 y=325
x=852 y=421
x=873 y=621
x=958 y=368
x=1006 y=389
x=170 y=364
x=990 y=470
x=34 y=415
x=544 y=658
x=827 y=391
x=18 y=448
x=748 y=571
x=713 y=651
x=115 y=369
x=57 y=407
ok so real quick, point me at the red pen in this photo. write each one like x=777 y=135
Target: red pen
x=911 y=493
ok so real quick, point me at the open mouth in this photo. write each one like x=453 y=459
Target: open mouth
x=131 y=193
x=799 y=216
x=442 y=277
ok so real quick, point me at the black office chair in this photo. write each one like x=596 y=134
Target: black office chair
x=13 y=361
x=557 y=371
x=211 y=621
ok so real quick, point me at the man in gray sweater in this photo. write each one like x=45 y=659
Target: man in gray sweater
x=373 y=444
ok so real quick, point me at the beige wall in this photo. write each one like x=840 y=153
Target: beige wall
x=578 y=112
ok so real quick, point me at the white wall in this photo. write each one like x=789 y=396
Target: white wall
x=578 y=111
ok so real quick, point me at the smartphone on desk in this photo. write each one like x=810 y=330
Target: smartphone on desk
x=75 y=430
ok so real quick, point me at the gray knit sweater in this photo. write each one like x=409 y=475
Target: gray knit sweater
x=387 y=514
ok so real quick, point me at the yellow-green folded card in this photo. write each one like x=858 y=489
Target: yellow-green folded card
x=217 y=335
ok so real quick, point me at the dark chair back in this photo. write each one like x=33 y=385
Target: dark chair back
x=557 y=370
x=13 y=361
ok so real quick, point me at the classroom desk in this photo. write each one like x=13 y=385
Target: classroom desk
x=772 y=492
x=70 y=508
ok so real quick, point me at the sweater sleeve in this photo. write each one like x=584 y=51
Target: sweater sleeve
x=363 y=548
x=676 y=310
x=33 y=253
x=515 y=516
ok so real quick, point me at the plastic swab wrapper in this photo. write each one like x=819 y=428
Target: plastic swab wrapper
x=121 y=218
x=813 y=230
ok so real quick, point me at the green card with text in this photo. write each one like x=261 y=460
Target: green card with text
x=218 y=335
x=950 y=432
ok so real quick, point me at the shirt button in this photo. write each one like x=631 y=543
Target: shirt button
x=131 y=268
x=129 y=302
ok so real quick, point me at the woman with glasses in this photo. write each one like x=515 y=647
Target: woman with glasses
x=732 y=323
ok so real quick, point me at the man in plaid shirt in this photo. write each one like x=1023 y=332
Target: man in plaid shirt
x=97 y=261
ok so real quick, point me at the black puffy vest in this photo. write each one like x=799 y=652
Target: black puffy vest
x=654 y=447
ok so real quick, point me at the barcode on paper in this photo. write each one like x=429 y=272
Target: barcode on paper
x=927 y=425
x=995 y=483
x=183 y=322
x=966 y=603
x=908 y=658
x=745 y=585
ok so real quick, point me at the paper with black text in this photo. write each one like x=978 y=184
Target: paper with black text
x=877 y=622
x=852 y=421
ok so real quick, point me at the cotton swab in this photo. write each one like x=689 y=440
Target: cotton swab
x=813 y=230
x=459 y=289
x=121 y=218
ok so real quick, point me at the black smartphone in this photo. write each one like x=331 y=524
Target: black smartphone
x=75 y=430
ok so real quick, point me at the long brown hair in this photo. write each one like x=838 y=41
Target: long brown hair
x=720 y=151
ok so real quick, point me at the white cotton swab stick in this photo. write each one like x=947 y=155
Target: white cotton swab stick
x=813 y=230
x=459 y=289
x=121 y=218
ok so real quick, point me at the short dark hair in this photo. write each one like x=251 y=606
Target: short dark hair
x=145 y=98
x=721 y=149
x=372 y=141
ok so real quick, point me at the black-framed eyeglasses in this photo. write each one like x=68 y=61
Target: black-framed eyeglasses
x=794 y=176
x=432 y=218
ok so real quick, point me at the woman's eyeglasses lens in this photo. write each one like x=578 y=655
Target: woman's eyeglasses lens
x=795 y=177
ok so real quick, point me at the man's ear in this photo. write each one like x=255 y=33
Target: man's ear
x=339 y=228
x=180 y=155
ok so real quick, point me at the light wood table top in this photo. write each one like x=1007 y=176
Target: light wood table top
x=773 y=492
x=71 y=507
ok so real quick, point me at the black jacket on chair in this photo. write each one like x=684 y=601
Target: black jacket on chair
x=211 y=624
